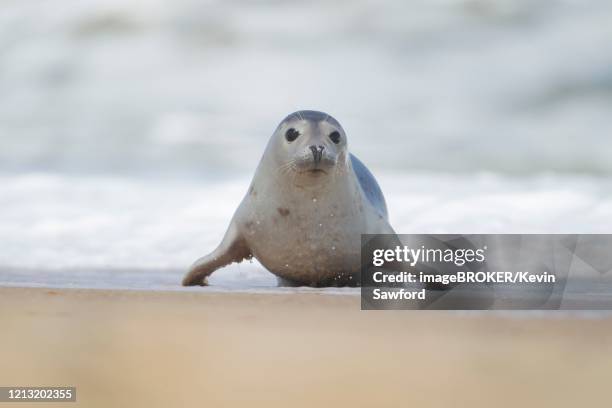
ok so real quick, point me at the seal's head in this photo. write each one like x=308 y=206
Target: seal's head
x=310 y=144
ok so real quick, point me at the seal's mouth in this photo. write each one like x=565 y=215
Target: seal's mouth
x=315 y=172
x=307 y=166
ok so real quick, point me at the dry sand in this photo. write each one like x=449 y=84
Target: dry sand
x=161 y=349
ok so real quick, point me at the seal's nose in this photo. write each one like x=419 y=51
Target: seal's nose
x=317 y=152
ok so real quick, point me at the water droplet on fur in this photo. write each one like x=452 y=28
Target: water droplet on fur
x=333 y=248
x=320 y=225
x=314 y=200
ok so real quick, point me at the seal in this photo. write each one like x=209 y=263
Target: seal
x=306 y=208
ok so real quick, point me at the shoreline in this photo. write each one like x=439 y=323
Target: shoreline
x=599 y=311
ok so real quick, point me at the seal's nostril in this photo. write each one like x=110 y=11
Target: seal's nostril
x=317 y=153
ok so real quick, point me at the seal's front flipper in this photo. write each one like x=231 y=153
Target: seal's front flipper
x=232 y=249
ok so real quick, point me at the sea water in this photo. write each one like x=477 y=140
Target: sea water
x=129 y=130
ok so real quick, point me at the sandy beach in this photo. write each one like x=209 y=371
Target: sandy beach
x=160 y=349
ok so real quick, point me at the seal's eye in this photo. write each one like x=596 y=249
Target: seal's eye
x=335 y=136
x=291 y=134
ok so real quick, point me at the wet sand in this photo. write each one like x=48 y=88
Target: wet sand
x=163 y=349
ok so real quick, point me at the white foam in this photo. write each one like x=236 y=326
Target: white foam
x=59 y=227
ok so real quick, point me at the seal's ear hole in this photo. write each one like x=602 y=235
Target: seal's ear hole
x=291 y=134
x=335 y=136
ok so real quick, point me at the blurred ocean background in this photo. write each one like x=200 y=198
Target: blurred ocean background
x=129 y=130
